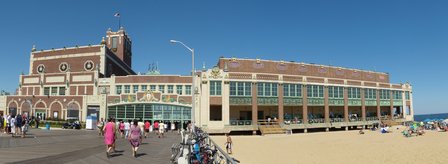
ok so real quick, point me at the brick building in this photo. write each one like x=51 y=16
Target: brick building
x=98 y=80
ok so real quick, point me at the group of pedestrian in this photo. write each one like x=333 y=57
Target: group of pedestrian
x=132 y=132
x=16 y=125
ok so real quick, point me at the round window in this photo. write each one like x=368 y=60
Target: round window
x=41 y=68
x=88 y=65
x=63 y=67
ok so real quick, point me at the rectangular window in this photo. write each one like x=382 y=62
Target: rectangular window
x=162 y=88
x=260 y=87
x=286 y=90
x=118 y=89
x=240 y=89
x=215 y=88
x=114 y=42
x=331 y=92
x=267 y=89
x=152 y=88
x=233 y=88
x=274 y=89
x=179 y=89
x=385 y=94
x=309 y=92
x=170 y=89
x=47 y=91
x=247 y=89
x=135 y=89
x=407 y=95
x=127 y=89
x=144 y=88
x=354 y=93
x=188 y=89
x=61 y=91
x=54 y=91
x=397 y=95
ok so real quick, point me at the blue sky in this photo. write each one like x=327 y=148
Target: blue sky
x=406 y=38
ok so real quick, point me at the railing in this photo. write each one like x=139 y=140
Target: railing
x=293 y=122
x=213 y=145
x=355 y=119
x=316 y=120
x=240 y=122
x=337 y=120
x=372 y=119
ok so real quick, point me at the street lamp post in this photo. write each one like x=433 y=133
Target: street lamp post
x=193 y=88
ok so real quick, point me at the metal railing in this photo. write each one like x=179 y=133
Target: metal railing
x=316 y=121
x=183 y=151
x=337 y=120
x=372 y=119
x=221 y=153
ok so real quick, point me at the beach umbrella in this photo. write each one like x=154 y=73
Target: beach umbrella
x=445 y=121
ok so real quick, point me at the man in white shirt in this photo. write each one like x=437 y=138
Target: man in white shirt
x=127 y=126
x=161 y=129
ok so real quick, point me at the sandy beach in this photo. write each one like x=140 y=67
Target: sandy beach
x=340 y=147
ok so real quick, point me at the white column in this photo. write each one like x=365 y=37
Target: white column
x=204 y=107
x=403 y=107
x=225 y=103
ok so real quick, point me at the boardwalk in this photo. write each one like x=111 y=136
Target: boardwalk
x=80 y=146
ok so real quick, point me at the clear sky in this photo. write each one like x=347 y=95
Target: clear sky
x=406 y=38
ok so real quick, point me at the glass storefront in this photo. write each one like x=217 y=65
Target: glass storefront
x=150 y=111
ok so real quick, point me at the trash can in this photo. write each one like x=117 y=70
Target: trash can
x=47 y=126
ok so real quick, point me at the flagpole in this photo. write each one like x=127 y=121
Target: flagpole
x=119 y=22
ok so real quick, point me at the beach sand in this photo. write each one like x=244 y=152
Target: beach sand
x=340 y=147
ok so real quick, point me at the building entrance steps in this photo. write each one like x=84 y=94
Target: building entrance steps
x=270 y=128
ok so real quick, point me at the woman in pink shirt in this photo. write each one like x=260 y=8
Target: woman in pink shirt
x=109 y=136
x=121 y=127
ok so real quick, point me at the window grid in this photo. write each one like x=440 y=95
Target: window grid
x=292 y=90
x=267 y=89
x=179 y=89
x=144 y=88
x=134 y=88
x=384 y=94
x=127 y=89
x=354 y=93
x=152 y=88
x=170 y=89
x=215 y=88
x=162 y=88
x=335 y=92
x=188 y=89
x=118 y=89
x=315 y=91
x=407 y=95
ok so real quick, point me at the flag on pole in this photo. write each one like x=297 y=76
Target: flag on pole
x=117 y=14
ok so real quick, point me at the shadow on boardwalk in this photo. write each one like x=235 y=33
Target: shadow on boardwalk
x=81 y=146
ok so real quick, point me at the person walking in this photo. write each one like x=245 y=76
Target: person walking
x=147 y=125
x=127 y=126
x=109 y=136
x=12 y=124
x=156 y=127
x=161 y=129
x=121 y=127
x=229 y=144
x=1 y=123
x=19 y=124
x=100 y=126
x=135 y=137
